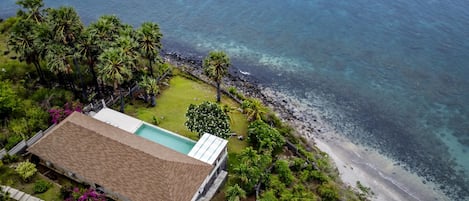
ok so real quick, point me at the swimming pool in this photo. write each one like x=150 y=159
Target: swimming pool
x=165 y=138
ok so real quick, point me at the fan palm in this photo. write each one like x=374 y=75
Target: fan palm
x=65 y=24
x=149 y=41
x=150 y=86
x=113 y=69
x=216 y=66
x=129 y=47
x=87 y=50
x=106 y=29
x=33 y=8
x=58 y=58
x=23 y=40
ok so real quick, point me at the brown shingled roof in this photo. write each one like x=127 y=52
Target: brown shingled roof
x=120 y=161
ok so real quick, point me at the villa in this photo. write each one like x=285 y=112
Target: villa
x=130 y=159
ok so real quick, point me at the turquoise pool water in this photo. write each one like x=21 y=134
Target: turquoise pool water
x=165 y=138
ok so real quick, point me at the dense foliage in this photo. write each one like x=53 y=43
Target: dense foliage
x=41 y=186
x=50 y=50
x=208 y=118
x=26 y=170
x=265 y=138
x=77 y=194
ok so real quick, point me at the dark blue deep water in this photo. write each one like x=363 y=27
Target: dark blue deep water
x=393 y=75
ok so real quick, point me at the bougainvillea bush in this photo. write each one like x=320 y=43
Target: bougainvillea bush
x=58 y=114
x=90 y=194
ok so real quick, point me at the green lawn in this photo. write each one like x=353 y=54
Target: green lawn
x=9 y=177
x=172 y=105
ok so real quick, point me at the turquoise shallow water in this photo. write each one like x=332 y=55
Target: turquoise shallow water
x=164 y=138
x=392 y=75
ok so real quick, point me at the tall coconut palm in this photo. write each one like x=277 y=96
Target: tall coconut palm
x=114 y=70
x=235 y=193
x=216 y=66
x=23 y=40
x=149 y=41
x=33 y=8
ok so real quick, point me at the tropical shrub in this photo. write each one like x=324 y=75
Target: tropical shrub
x=8 y=99
x=5 y=196
x=7 y=159
x=254 y=109
x=298 y=164
x=268 y=196
x=251 y=169
x=58 y=114
x=284 y=172
x=26 y=170
x=41 y=186
x=234 y=193
x=328 y=192
x=76 y=194
x=208 y=118
x=12 y=141
x=264 y=138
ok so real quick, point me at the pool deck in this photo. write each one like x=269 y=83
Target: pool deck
x=118 y=120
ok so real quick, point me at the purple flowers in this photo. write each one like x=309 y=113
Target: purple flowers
x=85 y=195
x=58 y=114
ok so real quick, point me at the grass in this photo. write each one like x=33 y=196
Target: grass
x=9 y=177
x=172 y=105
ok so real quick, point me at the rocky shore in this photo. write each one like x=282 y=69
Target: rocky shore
x=355 y=163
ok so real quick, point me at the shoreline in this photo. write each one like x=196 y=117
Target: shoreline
x=354 y=162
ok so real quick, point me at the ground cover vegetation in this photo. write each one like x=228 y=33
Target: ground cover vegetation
x=51 y=63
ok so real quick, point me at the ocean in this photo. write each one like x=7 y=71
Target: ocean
x=392 y=76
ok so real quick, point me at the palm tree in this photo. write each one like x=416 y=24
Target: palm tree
x=150 y=86
x=235 y=193
x=58 y=58
x=216 y=66
x=65 y=24
x=149 y=41
x=24 y=40
x=106 y=29
x=113 y=69
x=249 y=156
x=33 y=8
x=129 y=47
x=254 y=109
x=88 y=51
x=66 y=28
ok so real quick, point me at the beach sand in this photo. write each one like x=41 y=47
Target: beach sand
x=386 y=180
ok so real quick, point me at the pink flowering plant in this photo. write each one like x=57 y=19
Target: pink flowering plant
x=85 y=195
x=58 y=114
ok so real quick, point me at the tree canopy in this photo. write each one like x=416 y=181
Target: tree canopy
x=264 y=137
x=208 y=118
